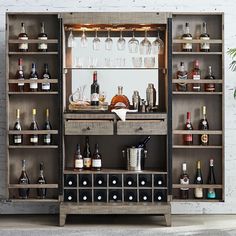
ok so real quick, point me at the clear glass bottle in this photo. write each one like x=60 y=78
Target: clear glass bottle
x=187 y=47
x=42 y=47
x=46 y=86
x=47 y=138
x=23 y=47
x=20 y=76
x=17 y=138
x=33 y=77
x=204 y=47
x=119 y=100
x=23 y=192
x=41 y=192
x=34 y=139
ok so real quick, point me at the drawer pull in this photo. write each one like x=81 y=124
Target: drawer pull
x=88 y=128
x=140 y=128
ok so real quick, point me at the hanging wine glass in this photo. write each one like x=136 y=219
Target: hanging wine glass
x=121 y=42
x=96 y=41
x=158 y=45
x=84 y=40
x=70 y=41
x=133 y=44
x=108 y=41
x=145 y=45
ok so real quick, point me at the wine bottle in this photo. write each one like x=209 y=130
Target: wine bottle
x=130 y=196
x=211 y=194
x=46 y=86
x=211 y=86
x=33 y=77
x=198 y=192
x=187 y=47
x=184 y=180
x=97 y=159
x=42 y=47
x=87 y=155
x=159 y=196
x=20 y=76
x=17 y=138
x=204 y=47
x=78 y=159
x=182 y=75
x=23 y=192
x=143 y=144
x=47 y=138
x=188 y=138
x=23 y=47
x=204 y=125
x=196 y=75
x=34 y=126
x=41 y=192
x=95 y=90
x=129 y=181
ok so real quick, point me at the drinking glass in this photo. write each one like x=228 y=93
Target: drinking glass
x=137 y=62
x=121 y=42
x=102 y=97
x=96 y=41
x=145 y=45
x=158 y=45
x=108 y=41
x=149 y=62
x=84 y=40
x=70 y=41
x=133 y=44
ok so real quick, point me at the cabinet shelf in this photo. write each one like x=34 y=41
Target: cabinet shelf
x=200 y=81
x=113 y=68
x=33 y=41
x=32 y=53
x=195 y=200
x=215 y=132
x=33 y=147
x=14 y=186
x=196 y=93
x=34 y=200
x=33 y=93
x=197 y=53
x=211 y=41
x=218 y=186
x=33 y=132
x=196 y=147
x=28 y=81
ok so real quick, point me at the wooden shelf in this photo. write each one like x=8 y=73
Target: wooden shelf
x=218 y=186
x=197 y=53
x=33 y=132
x=35 y=200
x=196 y=200
x=196 y=147
x=33 y=93
x=32 y=53
x=16 y=41
x=28 y=81
x=114 y=68
x=200 y=81
x=196 y=93
x=33 y=147
x=53 y=186
x=211 y=41
x=216 y=132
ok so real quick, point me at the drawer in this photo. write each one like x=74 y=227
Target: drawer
x=89 y=127
x=142 y=127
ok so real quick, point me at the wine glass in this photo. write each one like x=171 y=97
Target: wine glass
x=96 y=41
x=70 y=41
x=84 y=40
x=158 y=45
x=133 y=44
x=108 y=41
x=145 y=45
x=102 y=97
x=121 y=42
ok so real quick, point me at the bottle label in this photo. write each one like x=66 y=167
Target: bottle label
x=204 y=138
x=34 y=139
x=205 y=46
x=97 y=163
x=120 y=104
x=198 y=192
x=17 y=139
x=23 y=46
x=33 y=85
x=46 y=86
x=210 y=87
x=94 y=97
x=87 y=162
x=47 y=140
x=184 y=181
x=211 y=193
x=187 y=46
x=188 y=138
x=21 y=79
x=42 y=46
x=79 y=163
x=196 y=77
x=41 y=181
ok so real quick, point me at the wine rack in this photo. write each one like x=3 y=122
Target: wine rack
x=185 y=101
x=26 y=101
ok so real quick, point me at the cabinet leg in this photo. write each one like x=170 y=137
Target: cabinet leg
x=62 y=219
x=168 y=219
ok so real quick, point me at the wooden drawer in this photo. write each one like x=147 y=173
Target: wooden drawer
x=89 y=127
x=142 y=127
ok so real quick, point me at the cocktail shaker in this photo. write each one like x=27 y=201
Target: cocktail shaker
x=136 y=100
x=151 y=96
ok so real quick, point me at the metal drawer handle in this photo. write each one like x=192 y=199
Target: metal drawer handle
x=88 y=128
x=140 y=128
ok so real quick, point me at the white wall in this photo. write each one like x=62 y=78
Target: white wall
x=227 y=6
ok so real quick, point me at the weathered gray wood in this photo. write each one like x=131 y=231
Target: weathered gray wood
x=199 y=186
x=168 y=219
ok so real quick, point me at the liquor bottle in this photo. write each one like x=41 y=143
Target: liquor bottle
x=211 y=194
x=100 y=181
x=17 y=138
x=130 y=196
x=78 y=159
x=210 y=87
x=23 y=192
x=143 y=143
x=198 y=192
x=196 y=75
x=95 y=90
x=188 y=138
x=114 y=196
x=34 y=139
x=119 y=100
x=187 y=47
x=47 y=138
x=182 y=75
x=23 y=47
x=33 y=76
x=42 y=47
x=87 y=155
x=130 y=181
x=184 y=179
x=204 y=125
x=204 y=47
x=114 y=181
x=159 y=196
x=41 y=192
x=20 y=76
x=100 y=196
x=97 y=159
x=46 y=86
